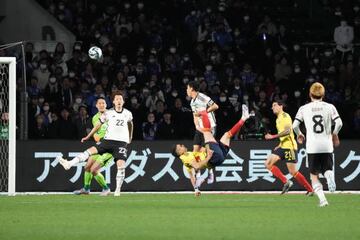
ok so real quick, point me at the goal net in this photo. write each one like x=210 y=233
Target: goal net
x=7 y=124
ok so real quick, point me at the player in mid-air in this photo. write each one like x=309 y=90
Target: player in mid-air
x=286 y=150
x=95 y=162
x=200 y=103
x=216 y=152
x=118 y=135
x=318 y=117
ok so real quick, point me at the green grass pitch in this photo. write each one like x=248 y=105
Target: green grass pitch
x=179 y=216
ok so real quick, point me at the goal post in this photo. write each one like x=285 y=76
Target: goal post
x=8 y=107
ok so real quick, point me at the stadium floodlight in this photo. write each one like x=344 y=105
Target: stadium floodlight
x=8 y=125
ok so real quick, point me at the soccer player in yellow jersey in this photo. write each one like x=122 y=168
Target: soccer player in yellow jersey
x=286 y=150
x=187 y=158
x=215 y=153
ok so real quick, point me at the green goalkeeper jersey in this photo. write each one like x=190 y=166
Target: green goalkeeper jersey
x=102 y=130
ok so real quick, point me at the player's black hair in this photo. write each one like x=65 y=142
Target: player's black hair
x=194 y=85
x=97 y=99
x=173 y=151
x=279 y=102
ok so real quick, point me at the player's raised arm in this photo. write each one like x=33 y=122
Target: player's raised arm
x=94 y=130
x=279 y=135
x=131 y=129
x=212 y=106
x=338 y=125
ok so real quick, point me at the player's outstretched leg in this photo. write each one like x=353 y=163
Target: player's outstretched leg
x=82 y=157
x=299 y=178
x=270 y=165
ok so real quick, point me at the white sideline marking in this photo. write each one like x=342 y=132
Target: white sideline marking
x=182 y=192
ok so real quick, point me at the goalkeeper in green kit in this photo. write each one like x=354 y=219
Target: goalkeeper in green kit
x=95 y=162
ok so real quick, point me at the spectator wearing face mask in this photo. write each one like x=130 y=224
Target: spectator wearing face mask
x=152 y=66
x=210 y=75
x=52 y=92
x=42 y=74
x=79 y=101
x=45 y=112
x=343 y=37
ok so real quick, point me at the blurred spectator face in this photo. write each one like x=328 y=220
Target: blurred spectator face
x=247 y=68
x=151 y=117
x=262 y=95
x=283 y=61
x=41 y=99
x=174 y=93
x=297 y=69
x=296 y=47
x=172 y=49
x=246 y=18
x=222 y=97
x=134 y=101
x=268 y=52
x=101 y=105
x=168 y=81
x=83 y=111
x=146 y=92
x=64 y=114
x=39 y=120
x=140 y=5
x=46 y=107
x=178 y=103
x=34 y=82
x=167 y=118
x=52 y=80
x=98 y=89
x=54 y=117
x=343 y=23
x=208 y=67
x=43 y=65
x=35 y=100
x=124 y=59
x=160 y=106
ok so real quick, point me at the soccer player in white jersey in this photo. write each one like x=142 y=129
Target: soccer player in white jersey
x=318 y=117
x=118 y=135
x=201 y=103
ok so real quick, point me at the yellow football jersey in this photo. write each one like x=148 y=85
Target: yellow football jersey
x=283 y=120
x=188 y=157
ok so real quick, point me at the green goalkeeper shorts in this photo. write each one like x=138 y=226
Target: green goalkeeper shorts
x=103 y=159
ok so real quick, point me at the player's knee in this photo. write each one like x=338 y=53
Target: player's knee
x=268 y=163
x=292 y=172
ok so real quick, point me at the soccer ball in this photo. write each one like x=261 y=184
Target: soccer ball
x=95 y=53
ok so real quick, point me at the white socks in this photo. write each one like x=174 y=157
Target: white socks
x=82 y=157
x=119 y=178
x=330 y=178
x=318 y=189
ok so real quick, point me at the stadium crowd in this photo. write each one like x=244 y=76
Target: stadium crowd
x=238 y=51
